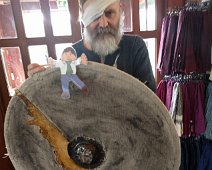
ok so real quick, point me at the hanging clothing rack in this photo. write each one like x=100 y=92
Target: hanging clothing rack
x=198 y=4
x=174 y=11
x=186 y=77
x=191 y=5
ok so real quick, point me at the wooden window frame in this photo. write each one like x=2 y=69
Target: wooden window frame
x=49 y=40
x=160 y=13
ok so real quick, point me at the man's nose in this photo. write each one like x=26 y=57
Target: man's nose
x=103 y=21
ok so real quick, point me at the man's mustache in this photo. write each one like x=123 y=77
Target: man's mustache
x=106 y=30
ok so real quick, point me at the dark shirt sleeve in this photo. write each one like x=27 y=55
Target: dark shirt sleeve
x=142 y=68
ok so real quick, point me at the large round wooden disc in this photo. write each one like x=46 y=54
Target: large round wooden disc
x=126 y=118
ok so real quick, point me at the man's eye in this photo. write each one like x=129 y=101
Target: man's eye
x=109 y=14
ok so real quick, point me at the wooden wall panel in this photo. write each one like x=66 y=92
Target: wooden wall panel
x=5 y=31
x=5 y=163
x=175 y=3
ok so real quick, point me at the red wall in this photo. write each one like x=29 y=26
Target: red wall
x=175 y=3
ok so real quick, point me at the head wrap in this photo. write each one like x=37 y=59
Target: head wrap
x=92 y=9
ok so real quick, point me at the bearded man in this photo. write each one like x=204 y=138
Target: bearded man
x=103 y=41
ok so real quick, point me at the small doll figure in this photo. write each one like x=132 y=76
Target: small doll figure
x=67 y=65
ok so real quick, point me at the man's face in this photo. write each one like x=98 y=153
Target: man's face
x=104 y=33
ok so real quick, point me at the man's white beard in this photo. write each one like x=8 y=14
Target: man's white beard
x=104 y=41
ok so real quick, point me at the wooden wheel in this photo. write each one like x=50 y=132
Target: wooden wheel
x=120 y=124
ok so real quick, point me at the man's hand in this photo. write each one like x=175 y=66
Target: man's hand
x=34 y=68
x=84 y=59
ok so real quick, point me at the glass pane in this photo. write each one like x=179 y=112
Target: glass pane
x=142 y=15
x=7 y=22
x=151 y=46
x=60 y=47
x=38 y=54
x=127 y=7
x=32 y=18
x=151 y=11
x=13 y=67
x=60 y=18
x=147 y=15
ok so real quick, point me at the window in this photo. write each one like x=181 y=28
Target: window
x=147 y=20
x=151 y=44
x=33 y=19
x=13 y=68
x=147 y=15
x=40 y=28
x=38 y=54
x=55 y=21
x=127 y=9
x=61 y=18
x=8 y=29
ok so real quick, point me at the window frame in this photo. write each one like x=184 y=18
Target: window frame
x=50 y=40
x=160 y=13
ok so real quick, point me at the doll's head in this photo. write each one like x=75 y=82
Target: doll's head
x=69 y=54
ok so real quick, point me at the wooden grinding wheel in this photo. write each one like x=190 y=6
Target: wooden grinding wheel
x=119 y=125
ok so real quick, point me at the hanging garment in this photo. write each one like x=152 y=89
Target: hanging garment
x=176 y=108
x=184 y=45
x=169 y=88
x=205 y=162
x=206 y=43
x=199 y=108
x=193 y=108
x=208 y=111
x=161 y=91
x=164 y=29
x=169 y=47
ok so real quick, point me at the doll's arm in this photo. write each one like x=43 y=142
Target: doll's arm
x=54 y=63
x=51 y=61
